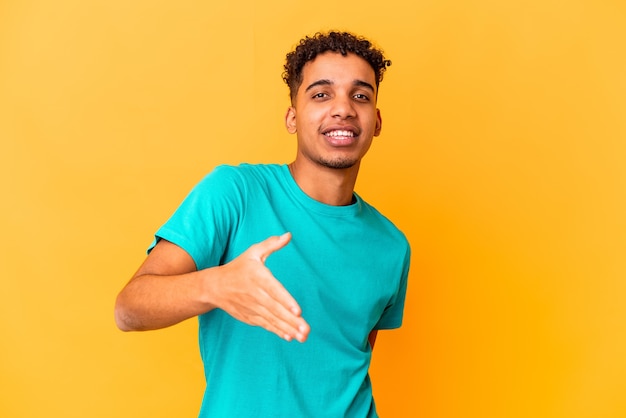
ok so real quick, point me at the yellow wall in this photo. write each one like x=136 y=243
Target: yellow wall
x=502 y=158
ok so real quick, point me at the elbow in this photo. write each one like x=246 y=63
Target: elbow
x=122 y=317
x=121 y=324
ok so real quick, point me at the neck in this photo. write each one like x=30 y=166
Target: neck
x=330 y=186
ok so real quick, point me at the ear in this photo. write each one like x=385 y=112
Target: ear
x=290 y=120
x=379 y=123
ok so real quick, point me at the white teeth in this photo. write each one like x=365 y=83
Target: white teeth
x=340 y=133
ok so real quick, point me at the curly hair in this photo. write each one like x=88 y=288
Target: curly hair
x=341 y=42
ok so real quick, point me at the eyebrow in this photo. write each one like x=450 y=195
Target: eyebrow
x=326 y=82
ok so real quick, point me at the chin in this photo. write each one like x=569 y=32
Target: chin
x=338 y=164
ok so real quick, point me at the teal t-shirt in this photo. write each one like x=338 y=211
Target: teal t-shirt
x=346 y=266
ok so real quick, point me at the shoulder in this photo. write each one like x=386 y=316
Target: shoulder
x=239 y=176
x=384 y=225
x=245 y=171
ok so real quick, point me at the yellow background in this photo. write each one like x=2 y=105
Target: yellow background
x=502 y=157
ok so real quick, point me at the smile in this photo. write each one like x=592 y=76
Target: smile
x=340 y=133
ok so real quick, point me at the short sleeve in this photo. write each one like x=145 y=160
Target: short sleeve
x=207 y=217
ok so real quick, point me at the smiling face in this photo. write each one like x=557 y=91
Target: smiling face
x=334 y=113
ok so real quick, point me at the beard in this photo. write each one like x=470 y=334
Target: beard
x=337 y=163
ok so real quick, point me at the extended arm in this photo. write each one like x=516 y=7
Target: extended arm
x=168 y=289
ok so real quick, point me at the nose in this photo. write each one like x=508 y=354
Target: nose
x=343 y=107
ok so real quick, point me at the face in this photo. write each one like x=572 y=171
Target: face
x=334 y=113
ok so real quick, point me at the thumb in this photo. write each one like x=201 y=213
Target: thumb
x=271 y=245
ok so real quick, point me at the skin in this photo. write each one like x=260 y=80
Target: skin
x=337 y=94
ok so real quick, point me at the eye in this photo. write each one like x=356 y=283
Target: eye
x=362 y=97
x=320 y=95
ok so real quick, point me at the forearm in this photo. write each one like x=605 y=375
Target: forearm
x=154 y=301
x=167 y=289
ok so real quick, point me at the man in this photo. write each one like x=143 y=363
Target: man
x=289 y=249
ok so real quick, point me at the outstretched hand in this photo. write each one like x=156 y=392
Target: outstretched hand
x=249 y=292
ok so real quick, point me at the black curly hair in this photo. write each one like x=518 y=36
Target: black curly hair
x=341 y=42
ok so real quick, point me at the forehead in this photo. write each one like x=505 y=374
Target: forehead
x=338 y=69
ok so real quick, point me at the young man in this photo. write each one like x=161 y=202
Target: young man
x=289 y=249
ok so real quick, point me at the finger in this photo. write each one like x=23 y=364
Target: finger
x=262 y=310
x=281 y=333
x=257 y=313
x=293 y=325
x=269 y=300
x=283 y=312
x=272 y=244
x=263 y=306
x=277 y=292
x=286 y=327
